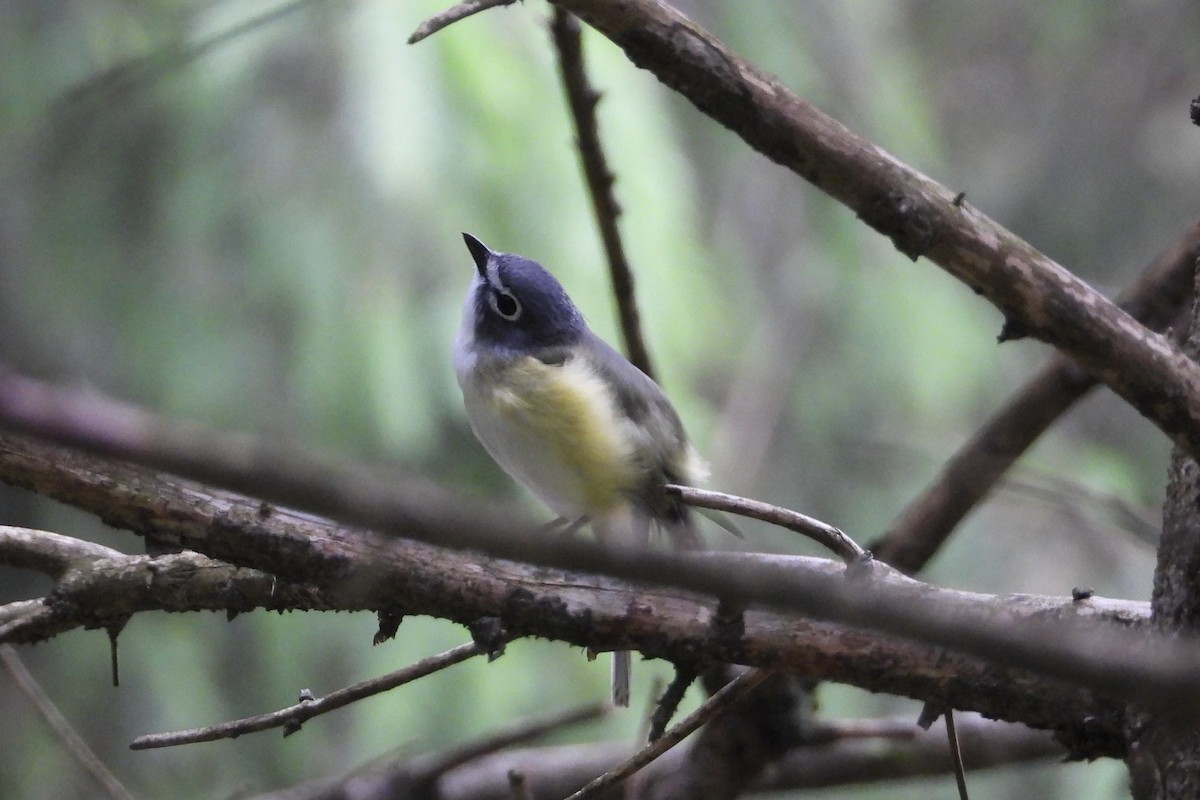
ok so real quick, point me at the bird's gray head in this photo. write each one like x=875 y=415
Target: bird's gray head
x=517 y=304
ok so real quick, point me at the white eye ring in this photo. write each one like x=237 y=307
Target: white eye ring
x=513 y=305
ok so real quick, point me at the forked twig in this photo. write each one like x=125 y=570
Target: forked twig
x=292 y=717
x=729 y=694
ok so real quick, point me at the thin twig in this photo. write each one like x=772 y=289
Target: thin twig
x=827 y=536
x=434 y=765
x=293 y=716
x=582 y=100
x=452 y=15
x=668 y=704
x=960 y=776
x=729 y=694
x=62 y=728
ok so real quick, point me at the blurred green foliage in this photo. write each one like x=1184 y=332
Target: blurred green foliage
x=256 y=226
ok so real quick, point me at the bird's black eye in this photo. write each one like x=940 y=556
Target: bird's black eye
x=505 y=304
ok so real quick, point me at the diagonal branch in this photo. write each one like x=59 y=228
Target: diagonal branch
x=62 y=728
x=582 y=100
x=293 y=716
x=455 y=13
x=729 y=694
x=1156 y=299
x=922 y=218
x=1048 y=662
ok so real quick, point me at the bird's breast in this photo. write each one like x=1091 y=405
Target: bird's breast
x=556 y=429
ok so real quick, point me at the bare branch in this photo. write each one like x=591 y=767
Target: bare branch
x=582 y=100
x=396 y=776
x=840 y=760
x=825 y=535
x=62 y=728
x=849 y=760
x=452 y=15
x=49 y=553
x=108 y=590
x=1023 y=658
x=292 y=717
x=1036 y=295
x=1156 y=299
x=729 y=694
x=251 y=465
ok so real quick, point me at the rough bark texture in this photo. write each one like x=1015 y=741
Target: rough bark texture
x=1164 y=759
x=1037 y=296
x=348 y=569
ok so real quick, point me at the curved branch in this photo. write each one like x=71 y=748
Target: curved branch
x=922 y=218
x=829 y=537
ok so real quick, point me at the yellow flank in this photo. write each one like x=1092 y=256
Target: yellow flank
x=571 y=411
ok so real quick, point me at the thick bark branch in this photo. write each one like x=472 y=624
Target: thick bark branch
x=922 y=218
x=354 y=570
x=1157 y=299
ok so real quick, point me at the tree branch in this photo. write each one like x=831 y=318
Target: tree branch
x=829 y=537
x=582 y=100
x=922 y=218
x=62 y=728
x=420 y=776
x=459 y=11
x=49 y=553
x=97 y=592
x=1157 y=299
x=843 y=759
x=719 y=702
x=292 y=717
x=1020 y=658
x=293 y=476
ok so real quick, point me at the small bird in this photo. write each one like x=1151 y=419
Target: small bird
x=567 y=416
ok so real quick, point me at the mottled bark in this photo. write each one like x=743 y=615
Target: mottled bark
x=1164 y=759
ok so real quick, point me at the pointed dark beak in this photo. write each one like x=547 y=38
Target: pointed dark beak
x=479 y=252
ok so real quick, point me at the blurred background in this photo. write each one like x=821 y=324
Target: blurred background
x=247 y=214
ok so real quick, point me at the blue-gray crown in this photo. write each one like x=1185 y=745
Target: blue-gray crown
x=518 y=304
